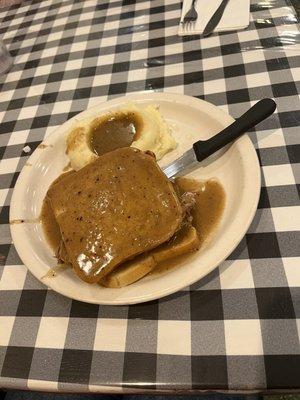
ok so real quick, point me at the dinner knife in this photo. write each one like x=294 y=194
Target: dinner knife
x=190 y=160
x=215 y=19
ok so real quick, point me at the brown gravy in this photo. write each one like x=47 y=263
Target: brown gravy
x=210 y=202
x=49 y=224
x=115 y=131
x=207 y=213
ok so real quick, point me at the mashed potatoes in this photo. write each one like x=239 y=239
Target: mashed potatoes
x=140 y=127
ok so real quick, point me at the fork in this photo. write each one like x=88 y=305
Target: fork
x=190 y=17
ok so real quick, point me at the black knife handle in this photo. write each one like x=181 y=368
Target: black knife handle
x=260 y=111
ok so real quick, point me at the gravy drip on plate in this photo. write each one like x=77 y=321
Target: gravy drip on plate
x=207 y=213
x=115 y=131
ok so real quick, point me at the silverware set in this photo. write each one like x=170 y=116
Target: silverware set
x=190 y=18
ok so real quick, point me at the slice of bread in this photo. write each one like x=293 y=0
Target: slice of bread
x=185 y=241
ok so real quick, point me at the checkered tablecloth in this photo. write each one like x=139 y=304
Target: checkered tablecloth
x=237 y=329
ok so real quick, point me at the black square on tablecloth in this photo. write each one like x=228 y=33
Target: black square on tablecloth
x=54 y=6
x=156 y=42
x=274 y=303
x=25 y=24
x=289 y=118
x=38 y=47
x=91 y=53
x=264 y=201
x=66 y=40
x=209 y=372
x=234 y=70
x=282 y=371
x=263 y=245
x=75 y=12
x=82 y=93
x=123 y=47
x=40 y=122
x=139 y=367
x=83 y=310
x=48 y=98
x=231 y=48
x=284 y=89
x=31 y=64
x=294 y=153
x=55 y=77
x=16 y=104
x=22 y=83
x=117 y=88
x=49 y=18
x=147 y=310
x=18 y=38
x=193 y=77
x=75 y=366
x=31 y=303
x=155 y=83
x=206 y=305
x=61 y=58
x=276 y=64
x=192 y=55
x=4 y=215
x=237 y=96
x=121 y=66
x=71 y=25
x=15 y=176
x=4 y=250
x=8 y=127
x=17 y=362
x=84 y=72
x=31 y=11
x=261 y=24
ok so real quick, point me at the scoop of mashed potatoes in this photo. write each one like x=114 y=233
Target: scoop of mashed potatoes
x=118 y=129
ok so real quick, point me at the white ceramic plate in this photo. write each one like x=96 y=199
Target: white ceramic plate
x=191 y=119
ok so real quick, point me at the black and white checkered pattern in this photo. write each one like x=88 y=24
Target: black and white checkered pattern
x=239 y=327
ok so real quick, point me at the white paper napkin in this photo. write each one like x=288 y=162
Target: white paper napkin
x=236 y=15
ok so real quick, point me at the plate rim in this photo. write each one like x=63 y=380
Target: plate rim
x=163 y=96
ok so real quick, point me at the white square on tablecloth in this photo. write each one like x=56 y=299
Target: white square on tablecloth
x=110 y=334
x=259 y=79
x=28 y=112
x=73 y=64
x=276 y=175
x=13 y=277
x=6 y=95
x=292 y=271
x=286 y=218
x=69 y=84
x=18 y=137
x=269 y=138
x=6 y=325
x=58 y=107
x=243 y=337
x=78 y=46
x=212 y=63
x=174 y=337
x=214 y=86
x=9 y=165
x=52 y=332
x=3 y=195
x=236 y=274
x=36 y=90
